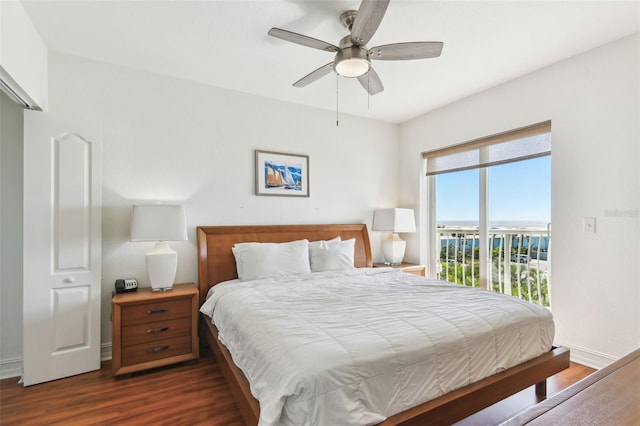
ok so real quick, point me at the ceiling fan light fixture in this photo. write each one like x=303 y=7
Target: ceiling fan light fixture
x=354 y=67
x=351 y=62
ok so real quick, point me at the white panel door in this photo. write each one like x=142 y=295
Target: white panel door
x=62 y=247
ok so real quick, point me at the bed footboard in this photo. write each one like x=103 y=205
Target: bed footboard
x=470 y=399
x=446 y=409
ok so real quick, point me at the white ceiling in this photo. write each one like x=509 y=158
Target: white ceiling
x=225 y=44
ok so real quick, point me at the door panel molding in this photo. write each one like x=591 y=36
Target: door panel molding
x=70 y=312
x=71 y=179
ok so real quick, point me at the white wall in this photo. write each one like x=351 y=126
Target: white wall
x=23 y=55
x=11 y=135
x=593 y=102
x=172 y=140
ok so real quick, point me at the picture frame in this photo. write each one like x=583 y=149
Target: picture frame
x=281 y=174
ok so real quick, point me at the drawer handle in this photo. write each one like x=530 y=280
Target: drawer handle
x=158 y=349
x=157 y=311
x=157 y=330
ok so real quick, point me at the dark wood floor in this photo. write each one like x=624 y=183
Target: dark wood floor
x=186 y=394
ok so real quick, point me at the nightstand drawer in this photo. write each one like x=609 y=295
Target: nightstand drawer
x=157 y=330
x=152 y=351
x=148 y=312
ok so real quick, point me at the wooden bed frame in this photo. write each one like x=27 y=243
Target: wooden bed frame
x=216 y=264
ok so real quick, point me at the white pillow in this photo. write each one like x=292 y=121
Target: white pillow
x=315 y=248
x=333 y=255
x=264 y=260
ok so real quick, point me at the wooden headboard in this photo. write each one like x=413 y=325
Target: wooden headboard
x=216 y=262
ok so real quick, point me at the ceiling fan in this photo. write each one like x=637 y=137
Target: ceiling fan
x=353 y=58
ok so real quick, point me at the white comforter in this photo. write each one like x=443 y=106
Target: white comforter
x=352 y=348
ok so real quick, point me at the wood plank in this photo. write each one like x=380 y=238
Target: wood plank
x=183 y=394
x=187 y=394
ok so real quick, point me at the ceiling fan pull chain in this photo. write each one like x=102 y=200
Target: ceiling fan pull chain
x=368 y=90
x=337 y=91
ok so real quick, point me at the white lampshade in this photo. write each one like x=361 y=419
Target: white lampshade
x=160 y=223
x=394 y=220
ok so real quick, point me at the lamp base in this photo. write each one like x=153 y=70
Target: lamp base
x=162 y=263
x=393 y=250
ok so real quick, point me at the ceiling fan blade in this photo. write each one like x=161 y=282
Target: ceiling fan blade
x=410 y=50
x=302 y=39
x=367 y=20
x=314 y=75
x=371 y=82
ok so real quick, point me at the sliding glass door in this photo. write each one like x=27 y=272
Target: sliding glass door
x=489 y=221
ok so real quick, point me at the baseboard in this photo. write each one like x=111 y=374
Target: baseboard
x=105 y=351
x=12 y=367
x=588 y=357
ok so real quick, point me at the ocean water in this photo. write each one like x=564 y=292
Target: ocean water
x=527 y=224
x=539 y=241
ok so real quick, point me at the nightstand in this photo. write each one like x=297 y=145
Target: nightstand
x=410 y=268
x=152 y=329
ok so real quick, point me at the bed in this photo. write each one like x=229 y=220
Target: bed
x=216 y=264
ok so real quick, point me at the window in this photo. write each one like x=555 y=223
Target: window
x=489 y=212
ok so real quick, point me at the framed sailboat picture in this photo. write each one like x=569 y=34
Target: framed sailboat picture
x=282 y=174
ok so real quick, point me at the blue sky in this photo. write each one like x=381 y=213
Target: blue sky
x=517 y=191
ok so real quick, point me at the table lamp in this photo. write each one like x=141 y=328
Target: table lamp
x=160 y=223
x=394 y=221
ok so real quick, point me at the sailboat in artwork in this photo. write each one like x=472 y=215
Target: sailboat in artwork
x=274 y=177
x=288 y=178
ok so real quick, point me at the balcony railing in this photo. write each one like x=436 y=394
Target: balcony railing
x=520 y=264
